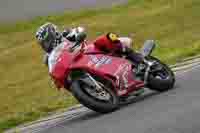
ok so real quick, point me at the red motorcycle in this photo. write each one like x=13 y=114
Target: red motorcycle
x=99 y=81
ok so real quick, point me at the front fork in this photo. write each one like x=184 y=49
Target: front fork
x=98 y=87
x=89 y=80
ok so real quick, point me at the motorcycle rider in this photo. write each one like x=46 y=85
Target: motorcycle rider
x=49 y=37
x=111 y=42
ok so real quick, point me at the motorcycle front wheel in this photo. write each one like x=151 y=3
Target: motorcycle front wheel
x=103 y=101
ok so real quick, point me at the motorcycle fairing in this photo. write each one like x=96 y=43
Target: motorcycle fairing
x=118 y=70
x=109 y=66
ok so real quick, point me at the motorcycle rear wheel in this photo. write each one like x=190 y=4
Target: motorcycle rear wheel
x=155 y=80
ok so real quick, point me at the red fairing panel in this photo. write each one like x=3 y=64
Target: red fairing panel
x=62 y=66
x=109 y=66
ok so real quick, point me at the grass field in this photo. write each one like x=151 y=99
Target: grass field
x=26 y=93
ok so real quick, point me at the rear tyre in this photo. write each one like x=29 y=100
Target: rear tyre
x=92 y=102
x=162 y=80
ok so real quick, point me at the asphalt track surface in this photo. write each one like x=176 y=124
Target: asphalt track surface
x=175 y=111
x=15 y=10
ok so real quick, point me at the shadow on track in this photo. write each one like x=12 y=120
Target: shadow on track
x=91 y=115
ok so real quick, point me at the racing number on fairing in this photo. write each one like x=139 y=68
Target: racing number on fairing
x=98 y=61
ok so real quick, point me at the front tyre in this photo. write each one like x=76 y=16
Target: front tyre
x=162 y=78
x=84 y=94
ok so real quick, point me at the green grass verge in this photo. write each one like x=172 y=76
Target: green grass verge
x=25 y=91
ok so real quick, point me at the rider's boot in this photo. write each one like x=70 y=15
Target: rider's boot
x=138 y=61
